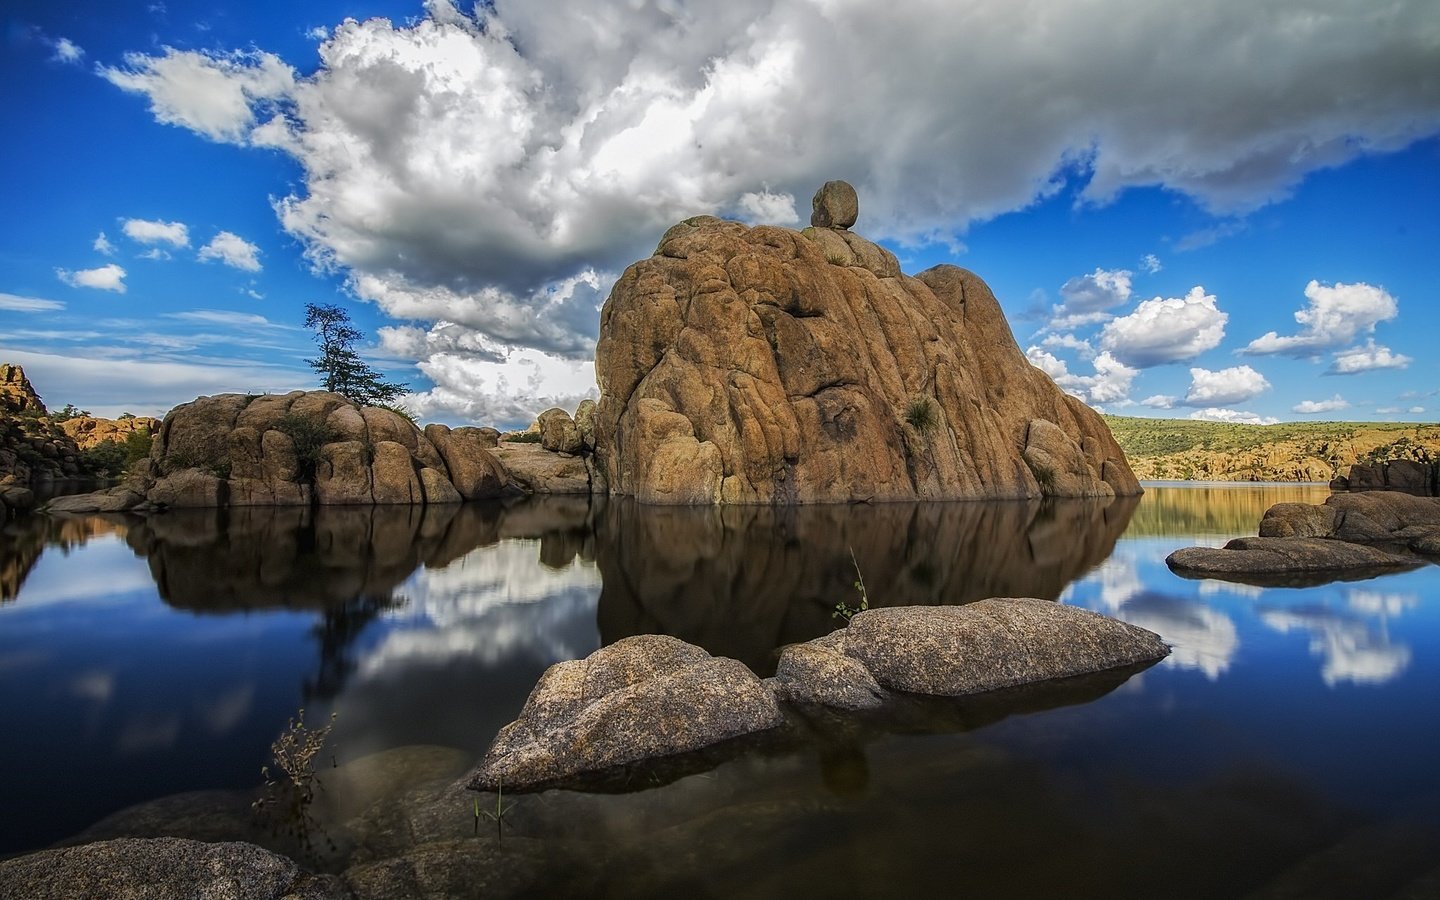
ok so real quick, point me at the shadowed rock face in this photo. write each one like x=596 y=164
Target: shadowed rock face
x=743 y=580
x=768 y=366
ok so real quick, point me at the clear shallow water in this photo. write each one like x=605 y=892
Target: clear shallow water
x=1292 y=734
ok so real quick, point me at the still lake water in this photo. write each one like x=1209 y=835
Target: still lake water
x=1289 y=744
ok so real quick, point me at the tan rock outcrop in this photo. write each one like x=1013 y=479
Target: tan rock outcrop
x=473 y=469
x=16 y=393
x=764 y=365
x=534 y=470
x=315 y=446
x=90 y=431
x=558 y=433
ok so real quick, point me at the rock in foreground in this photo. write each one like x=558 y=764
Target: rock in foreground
x=654 y=698
x=642 y=698
x=163 y=869
x=957 y=651
x=764 y=365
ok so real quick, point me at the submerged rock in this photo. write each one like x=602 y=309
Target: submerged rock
x=768 y=366
x=1286 y=561
x=1351 y=535
x=162 y=868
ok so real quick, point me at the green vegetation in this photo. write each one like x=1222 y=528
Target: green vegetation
x=498 y=816
x=398 y=410
x=341 y=368
x=106 y=459
x=309 y=436
x=521 y=437
x=1159 y=437
x=290 y=790
x=844 y=610
x=1402 y=448
x=67 y=412
x=1299 y=451
x=920 y=414
x=1045 y=477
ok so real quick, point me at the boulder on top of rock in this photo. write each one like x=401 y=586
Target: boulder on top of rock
x=768 y=366
x=641 y=698
x=558 y=433
x=835 y=205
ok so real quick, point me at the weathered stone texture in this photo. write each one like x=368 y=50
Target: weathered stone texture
x=763 y=365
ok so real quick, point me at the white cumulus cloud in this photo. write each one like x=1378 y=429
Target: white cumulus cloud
x=1109 y=384
x=1234 y=416
x=1310 y=407
x=109 y=277
x=1224 y=387
x=1366 y=358
x=766 y=208
x=215 y=94
x=148 y=231
x=1150 y=263
x=233 y=251
x=500 y=155
x=1166 y=330
x=1160 y=401
x=1334 y=315
x=1093 y=293
x=102 y=245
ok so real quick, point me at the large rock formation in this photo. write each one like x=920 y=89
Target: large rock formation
x=764 y=365
x=309 y=447
x=17 y=394
x=33 y=449
x=91 y=431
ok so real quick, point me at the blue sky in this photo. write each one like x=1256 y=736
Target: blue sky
x=1186 y=210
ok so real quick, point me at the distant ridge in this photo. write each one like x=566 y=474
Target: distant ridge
x=1187 y=449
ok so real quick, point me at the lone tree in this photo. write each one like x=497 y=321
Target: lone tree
x=342 y=369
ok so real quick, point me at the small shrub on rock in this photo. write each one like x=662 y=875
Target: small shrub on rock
x=310 y=437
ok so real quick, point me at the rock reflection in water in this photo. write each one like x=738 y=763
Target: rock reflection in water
x=346 y=563
x=742 y=581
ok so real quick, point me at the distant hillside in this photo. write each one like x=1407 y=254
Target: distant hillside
x=1301 y=451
